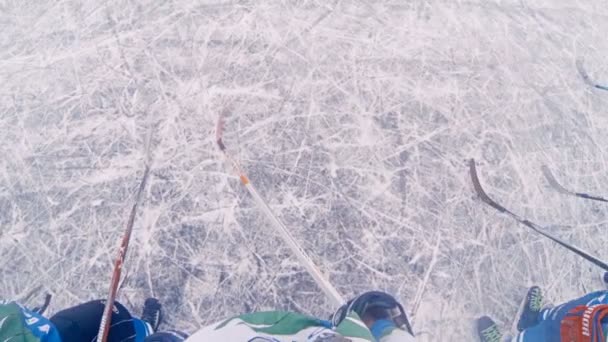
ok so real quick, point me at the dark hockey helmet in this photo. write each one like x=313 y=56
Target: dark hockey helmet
x=378 y=305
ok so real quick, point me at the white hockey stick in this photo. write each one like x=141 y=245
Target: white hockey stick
x=304 y=259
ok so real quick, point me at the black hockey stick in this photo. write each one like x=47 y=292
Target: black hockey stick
x=45 y=305
x=585 y=76
x=554 y=184
x=485 y=198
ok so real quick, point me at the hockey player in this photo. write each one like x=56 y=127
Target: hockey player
x=584 y=319
x=372 y=316
x=81 y=323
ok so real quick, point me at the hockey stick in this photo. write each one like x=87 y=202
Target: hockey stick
x=304 y=259
x=104 y=325
x=585 y=76
x=553 y=182
x=486 y=199
x=45 y=305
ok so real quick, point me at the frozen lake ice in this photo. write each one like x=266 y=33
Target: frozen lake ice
x=353 y=118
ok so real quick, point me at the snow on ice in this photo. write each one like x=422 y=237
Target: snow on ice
x=353 y=118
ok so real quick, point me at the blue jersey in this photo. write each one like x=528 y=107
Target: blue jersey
x=581 y=316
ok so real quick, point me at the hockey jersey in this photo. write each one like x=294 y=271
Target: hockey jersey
x=278 y=326
x=20 y=324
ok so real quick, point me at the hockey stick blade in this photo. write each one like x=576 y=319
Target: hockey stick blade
x=47 y=300
x=219 y=132
x=479 y=190
x=486 y=199
x=555 y=184
x=585 y=75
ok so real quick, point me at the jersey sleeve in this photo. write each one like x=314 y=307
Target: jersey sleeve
x=16 y=320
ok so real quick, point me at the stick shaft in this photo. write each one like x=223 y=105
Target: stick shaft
x=329 y=290
x=104 y=325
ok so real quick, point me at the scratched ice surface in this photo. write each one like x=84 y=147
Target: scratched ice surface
x=353 y=118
